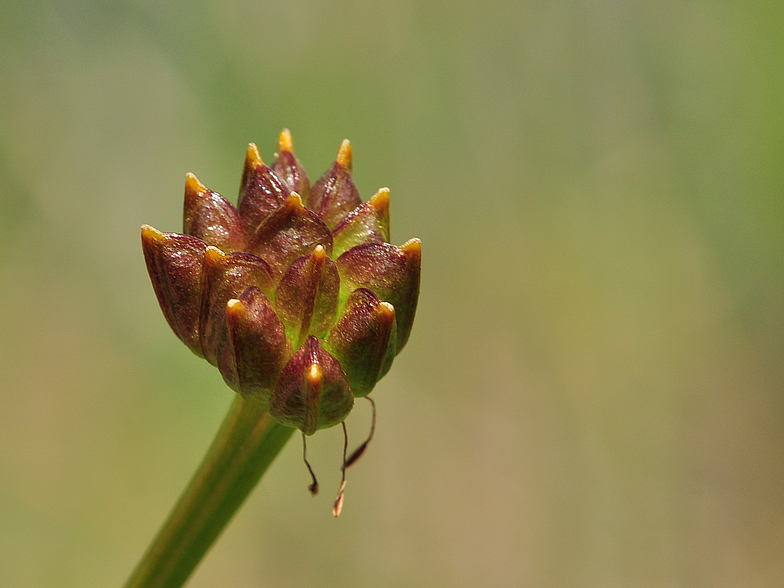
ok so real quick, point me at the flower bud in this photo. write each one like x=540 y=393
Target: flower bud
x=312 y=392
x=288 y=167
x=391 y=272
x=259 y=345
x=174 y=263
x=261 y=191
x=296 y=295
x=363 y=340
x=288 y=233
x=210 y=217
x=335 y=195
x=307 y=295
x=368 y=223
x=223 y=275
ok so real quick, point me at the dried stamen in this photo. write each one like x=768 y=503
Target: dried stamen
x=314 y=486
x=361 y=449
x=339 y=500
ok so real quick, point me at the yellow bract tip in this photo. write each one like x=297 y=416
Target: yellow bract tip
x=387 y=310
x=192 y=184
x=152 y=235
x=380 y=200
x=252 y=156
x=412 y=246
x=214 y=255
x=344 y=157
x=284 y=141
x=294 y=201
x=234 y=306
x=314 y=374
x=319 y=253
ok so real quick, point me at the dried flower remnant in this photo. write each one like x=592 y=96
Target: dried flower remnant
x=296 y=294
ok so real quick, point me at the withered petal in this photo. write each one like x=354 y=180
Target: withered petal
x=391 y=272
x=368 y=223
x=312 y=392
x=226 y=276
x=307 y=295
x=174 y=263
x=290 y=232
x=261 y=191
x=363 y=340
x=258 y=343
x=210 y=217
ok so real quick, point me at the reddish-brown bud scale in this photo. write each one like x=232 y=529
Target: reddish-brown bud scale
x=210 y=217
x=288 y=167
x=259 y=344
x=296 y=295
x=261 y=191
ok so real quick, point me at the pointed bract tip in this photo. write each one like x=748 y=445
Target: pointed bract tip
x=234 y=306
x=285 y=142
x=319 y=253
x=192 y=184
x=412 y=246
x=214 y=255
x=387 y=311
x=380 y=200
x=294 y=201
x=344 y=156
x=152 y=235
x=252 y=156
x=314 y=374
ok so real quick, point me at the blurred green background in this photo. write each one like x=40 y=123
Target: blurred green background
x=592 y=394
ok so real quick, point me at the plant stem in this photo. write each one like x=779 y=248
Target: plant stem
x=244 y=447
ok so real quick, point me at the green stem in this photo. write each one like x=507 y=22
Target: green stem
x=244 y=447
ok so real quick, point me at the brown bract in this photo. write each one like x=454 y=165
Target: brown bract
x=296 y=295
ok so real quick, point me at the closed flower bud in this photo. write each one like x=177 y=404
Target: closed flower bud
x=295 y=294
x=313 y=391
x=363 y=340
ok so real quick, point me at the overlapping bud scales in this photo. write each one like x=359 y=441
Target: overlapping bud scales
x=296 y=295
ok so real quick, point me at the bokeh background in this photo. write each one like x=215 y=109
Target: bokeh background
x=592 y=394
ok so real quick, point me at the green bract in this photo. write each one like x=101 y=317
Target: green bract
x=296 y=294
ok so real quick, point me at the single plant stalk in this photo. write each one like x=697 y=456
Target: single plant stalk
x=246 y=444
